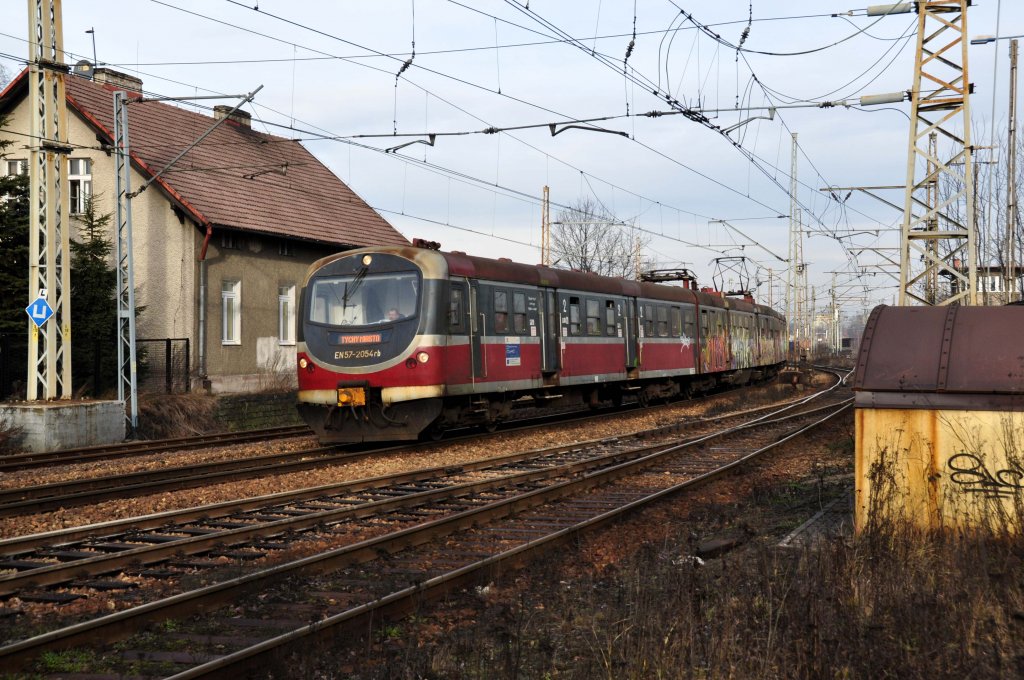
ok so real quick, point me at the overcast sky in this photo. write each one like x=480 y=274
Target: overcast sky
x=328 y=72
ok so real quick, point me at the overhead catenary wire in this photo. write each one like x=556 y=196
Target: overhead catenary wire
x=588 y=173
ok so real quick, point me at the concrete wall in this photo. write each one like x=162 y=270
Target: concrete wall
x=55 y=425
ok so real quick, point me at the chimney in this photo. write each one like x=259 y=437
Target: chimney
x=243 y=118
x=120 y=81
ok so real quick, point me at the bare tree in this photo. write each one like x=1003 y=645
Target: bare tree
x=5 y=76
x=991 y=205
x=586 y=238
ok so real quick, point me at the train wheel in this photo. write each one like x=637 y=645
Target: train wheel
x=491 y=425
x=643 y=398
x=434 y=432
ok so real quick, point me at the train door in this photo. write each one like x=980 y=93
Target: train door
x=549 y=332
x=629 y=327
x=460 y=327
x=476 y=329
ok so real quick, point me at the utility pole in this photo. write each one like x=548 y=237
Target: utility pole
x=948 y=249
x=1009 y=268
x=126 y=355
x=834 y=326
x=932 y=199
x=792 y=321
x=545 y=229
x=49 y=286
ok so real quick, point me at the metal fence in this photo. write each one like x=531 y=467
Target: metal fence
x=163 y=365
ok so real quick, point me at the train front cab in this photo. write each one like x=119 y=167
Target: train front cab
x=371 y=351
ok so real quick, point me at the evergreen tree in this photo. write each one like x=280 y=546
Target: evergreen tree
x=13 y=274
x=93 y=305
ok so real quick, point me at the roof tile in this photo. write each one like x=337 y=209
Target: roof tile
x=238 y=177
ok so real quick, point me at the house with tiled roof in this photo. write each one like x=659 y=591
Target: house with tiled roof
x=223 y=238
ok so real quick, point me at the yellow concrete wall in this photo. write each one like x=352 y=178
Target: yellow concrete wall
x=940 y=469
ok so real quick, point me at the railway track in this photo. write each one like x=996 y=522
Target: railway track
x=72 y=493
x=85 y=454
x=72 y=555
x=441 y=532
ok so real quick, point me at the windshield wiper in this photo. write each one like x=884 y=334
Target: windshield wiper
x=356 y=282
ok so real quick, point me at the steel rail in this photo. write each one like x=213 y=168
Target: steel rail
x=126 y=621
x=84 y=454
x=78 y=492
x=172 y=523
x=434 y=587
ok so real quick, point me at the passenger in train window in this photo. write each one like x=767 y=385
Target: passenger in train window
x=394 y=314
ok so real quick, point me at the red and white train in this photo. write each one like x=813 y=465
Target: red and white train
x=395 y=342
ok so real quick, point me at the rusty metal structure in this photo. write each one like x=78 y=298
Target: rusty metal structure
x=939 y=240
x=49 y=343
x=940 y=414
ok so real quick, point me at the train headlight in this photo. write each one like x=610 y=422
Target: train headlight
x=303 y=363
x=423 y=357
x=367 y=259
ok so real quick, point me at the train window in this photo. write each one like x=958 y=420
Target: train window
x=662 y=321
x=675 y=322
x=455 y=310
x=648 y=320
x=688 y=324
x=574 y=316
x=363 y=299
x=704 y=328
x=519 y=313
x=609 y=317
x=593 y=317
x=500 y=311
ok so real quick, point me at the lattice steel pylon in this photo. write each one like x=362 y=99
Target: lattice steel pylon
x=939 y=242
x=126 y=364
x=49 y=344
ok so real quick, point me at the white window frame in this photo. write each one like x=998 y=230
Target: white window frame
x=84 y=180
x=286 y=314
x=19 y=165
x=231 y=312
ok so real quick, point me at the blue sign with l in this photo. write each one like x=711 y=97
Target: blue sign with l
x=39 y=311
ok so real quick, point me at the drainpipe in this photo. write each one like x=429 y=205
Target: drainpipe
x=202 y=303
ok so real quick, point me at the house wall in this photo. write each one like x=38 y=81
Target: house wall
x=167 y=273
x=163 y=247
x=260 y=361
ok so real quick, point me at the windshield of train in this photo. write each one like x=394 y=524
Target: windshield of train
x=364 y=299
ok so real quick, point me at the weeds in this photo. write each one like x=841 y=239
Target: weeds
x=899 y=600
x=177 y=415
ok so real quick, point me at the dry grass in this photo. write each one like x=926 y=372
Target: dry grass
x=177 y=415
x=895 y=602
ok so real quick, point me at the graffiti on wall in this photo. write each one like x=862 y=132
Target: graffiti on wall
x=973 y=477
x=714 y=354
x=742 y=348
